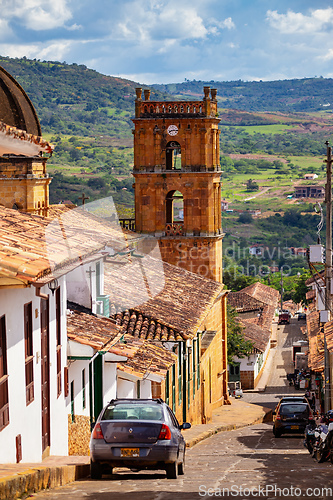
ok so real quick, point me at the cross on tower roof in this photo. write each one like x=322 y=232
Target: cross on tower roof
x=83 y=198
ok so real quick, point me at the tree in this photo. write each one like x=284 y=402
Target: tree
x=236 y=282
x=245 y=218
x=300 y=289
x=252 y=185
x=237 y=345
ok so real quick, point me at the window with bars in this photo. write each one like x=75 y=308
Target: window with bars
x=4 y=401
x=29 y=359
x=58 y=337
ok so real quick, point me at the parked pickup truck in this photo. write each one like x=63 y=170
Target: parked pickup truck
x=284 y=318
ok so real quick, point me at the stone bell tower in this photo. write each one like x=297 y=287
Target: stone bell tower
x=177 y=180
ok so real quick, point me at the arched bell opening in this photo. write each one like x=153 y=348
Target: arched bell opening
x=173 y=156
x=174 y=216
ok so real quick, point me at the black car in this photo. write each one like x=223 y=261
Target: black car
x=291 y=399
x=138 y=434
x=301 y=316
x=291 y=418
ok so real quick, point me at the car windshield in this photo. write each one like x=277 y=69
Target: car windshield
x=293 y=408
x=133 y=411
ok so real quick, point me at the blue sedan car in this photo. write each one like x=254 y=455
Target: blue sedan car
x=138 y=434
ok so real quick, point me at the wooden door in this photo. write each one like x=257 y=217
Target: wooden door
x=45 y=373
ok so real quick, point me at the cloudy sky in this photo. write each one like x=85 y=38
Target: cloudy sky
x=164 y=41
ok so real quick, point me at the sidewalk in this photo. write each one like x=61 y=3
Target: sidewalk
x=17 y=480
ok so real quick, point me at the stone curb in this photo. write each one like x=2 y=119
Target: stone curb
x=34 y=480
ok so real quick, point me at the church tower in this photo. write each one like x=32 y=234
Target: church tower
x=177 y=180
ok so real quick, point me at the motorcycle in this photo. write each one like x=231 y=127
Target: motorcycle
x=311 y=435
x=322 y=439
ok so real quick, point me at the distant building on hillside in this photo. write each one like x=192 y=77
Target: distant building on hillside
x=310 y=177
x=309 y=191
x=224 y=205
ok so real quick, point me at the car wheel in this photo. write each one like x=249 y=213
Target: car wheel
x=181 y=467
x=171 y=470
x=95 y=470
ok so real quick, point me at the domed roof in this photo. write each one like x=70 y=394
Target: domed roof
x=16 y=109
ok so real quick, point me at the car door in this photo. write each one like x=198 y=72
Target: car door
x=176 y=430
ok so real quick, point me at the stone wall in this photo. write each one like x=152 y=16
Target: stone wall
x=247 y=379
x=78 y=435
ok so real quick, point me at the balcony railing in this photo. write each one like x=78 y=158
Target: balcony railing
x=127 y=224
x=174 y=229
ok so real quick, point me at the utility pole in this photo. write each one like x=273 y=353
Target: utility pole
x=328 y=267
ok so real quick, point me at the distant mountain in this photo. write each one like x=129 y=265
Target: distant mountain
x=306 y=94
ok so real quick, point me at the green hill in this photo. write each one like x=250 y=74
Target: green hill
x=306 y=94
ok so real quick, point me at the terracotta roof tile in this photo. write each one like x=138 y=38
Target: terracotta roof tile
x=103 y=334
x=260 y=337
x=263 y=293
x=32 y=246
x=178 y=306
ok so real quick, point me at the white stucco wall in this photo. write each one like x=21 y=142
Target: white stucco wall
x=81 y=284
x=26 y=420
x=145 y=389
x=75 y=375
x=126 y=388
x=109 y=382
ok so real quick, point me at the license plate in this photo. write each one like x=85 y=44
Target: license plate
x=294 y=427
x=130 y=452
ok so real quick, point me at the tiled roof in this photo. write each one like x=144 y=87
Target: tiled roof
x=140 y=326
x=320 y=277
x=19 y=142
x=180 y=301
x=311 y=294
x=243 y=302
x=263 y=293
x=257 y=335
x=254 y=298
x=32 y=247
x=103 y=334
x=149 y=359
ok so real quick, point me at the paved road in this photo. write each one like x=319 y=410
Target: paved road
x=229 y=464
x=282 y=364
x=248 y=458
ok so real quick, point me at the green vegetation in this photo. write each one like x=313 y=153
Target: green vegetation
x=272 y=133
x=237 y=345
x=306 y=94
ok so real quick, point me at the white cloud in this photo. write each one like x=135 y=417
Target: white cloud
x=55 y=51
x=36 y=15
x=164 y=20
x=328 y=56
x=227 y=24
x=295 y=22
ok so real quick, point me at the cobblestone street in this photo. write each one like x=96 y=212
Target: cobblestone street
x=229 y=464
